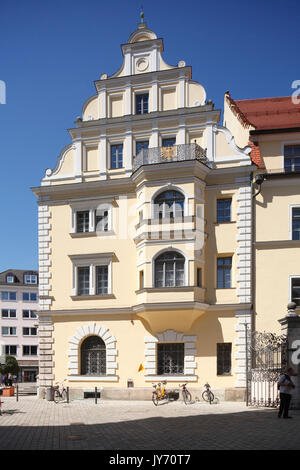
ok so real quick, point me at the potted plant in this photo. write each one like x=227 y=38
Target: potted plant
x=9 y=367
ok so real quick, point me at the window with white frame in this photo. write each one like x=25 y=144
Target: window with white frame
x=168 y=205
x=29 y=314
x=9 y=331
x=8 y=313
x=30 y=278
x=29 y=350
x=296 y=223
x=29 y=297
x=8 y=295
x=29 y=331
x=10 y=349
x=295 y=290
x=10 y=279
x=97 y=218
x=169 y=270
x=91 y=276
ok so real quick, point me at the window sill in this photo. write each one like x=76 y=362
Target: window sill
x=225 y=223
x=88 y=378
x=169 y=289
x=92 y=297
x=92 y=234
x=171 y=378
x=225 y=288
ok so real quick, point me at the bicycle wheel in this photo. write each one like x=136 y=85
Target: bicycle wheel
x=208 y=396
x=57 y=396
x=155 y=398
x=64 y=395
x=187 y=397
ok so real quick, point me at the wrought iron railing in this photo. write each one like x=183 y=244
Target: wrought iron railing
x=176 y=153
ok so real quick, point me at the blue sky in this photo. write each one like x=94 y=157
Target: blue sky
x=52 y=51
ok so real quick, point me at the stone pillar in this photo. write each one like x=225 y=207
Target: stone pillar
x=290 y=327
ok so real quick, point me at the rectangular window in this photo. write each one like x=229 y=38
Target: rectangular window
x=224 y=358
x=223 y=210
x=8 y=295
x=291 y=158
x=8 y=313
x=142 y=144
x=170 y=358
x=29 y=297
x=29 y=331
x=296 y=223
x=30 y=278
x=10 y=279
x=101 y=280
x=83 y=280
x=29 y=350
x=224 y=273
x=116 y=156
x=141 y=103
x=295 y=286
x=199 y=277
x=168 y=142
x=101 y=220
x=29 y=314
x=10 y=350
x=141 y=279
x=9 y=331
x=82 y=221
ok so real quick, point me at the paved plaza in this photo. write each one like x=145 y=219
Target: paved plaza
x=32 y=423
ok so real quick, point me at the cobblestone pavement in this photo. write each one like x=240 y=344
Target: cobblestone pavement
x=36 y=424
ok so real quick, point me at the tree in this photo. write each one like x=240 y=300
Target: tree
x=10 y=366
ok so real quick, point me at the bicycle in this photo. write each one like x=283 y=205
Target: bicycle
x=187 y=397
x=208 y=395
x=60 y=396
x=160 y=393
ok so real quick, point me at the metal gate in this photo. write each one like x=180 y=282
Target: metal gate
x=266 y=360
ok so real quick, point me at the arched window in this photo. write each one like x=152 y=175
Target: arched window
x=169 y=204
x=169 y=270
x=93 y=356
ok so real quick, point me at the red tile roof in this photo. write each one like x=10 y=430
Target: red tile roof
x=255 y=155
x=270 y=113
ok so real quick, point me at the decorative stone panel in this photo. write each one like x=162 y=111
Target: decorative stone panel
x=244 y=318
x=244 y=226
x=170 y=336
x=74 y=348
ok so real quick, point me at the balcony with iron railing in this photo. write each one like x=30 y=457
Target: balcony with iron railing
x=175 y=153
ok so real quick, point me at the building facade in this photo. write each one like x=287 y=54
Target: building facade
x=19 y=321
x=145 y=237
x=272 y=127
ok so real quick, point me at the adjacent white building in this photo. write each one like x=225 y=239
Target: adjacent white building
x=18 y=320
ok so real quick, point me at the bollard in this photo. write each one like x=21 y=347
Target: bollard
x=68 y=396
x=17 y=392
x=96 y=395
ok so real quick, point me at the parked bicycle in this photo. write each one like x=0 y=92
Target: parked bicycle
x=186 y=396
x=160 y=393
x=60 y=395
x=208 y=395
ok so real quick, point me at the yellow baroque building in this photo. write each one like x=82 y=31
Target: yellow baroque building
x=145 y=237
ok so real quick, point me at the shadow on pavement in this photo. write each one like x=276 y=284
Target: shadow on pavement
x=253 y=429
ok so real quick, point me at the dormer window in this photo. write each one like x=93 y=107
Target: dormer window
x=141 y=103
x=30 y=279
x=10 y=279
